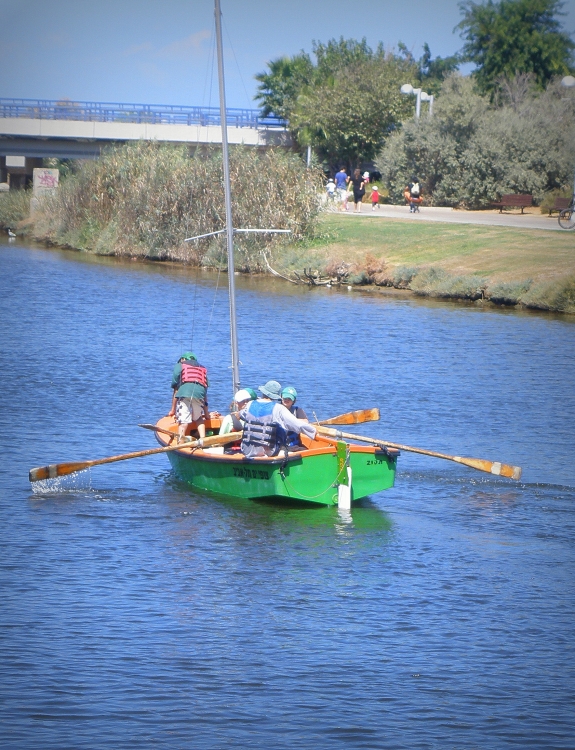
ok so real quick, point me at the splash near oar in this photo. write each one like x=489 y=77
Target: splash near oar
x=481 y=464
x=59 y=470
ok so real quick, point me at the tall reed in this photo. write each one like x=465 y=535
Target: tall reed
x=145 y=198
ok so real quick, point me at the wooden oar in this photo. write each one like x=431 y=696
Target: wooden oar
x=60 y=470
x=354 y=417
x=155 y=428
x=350 y=417
x=481 y=464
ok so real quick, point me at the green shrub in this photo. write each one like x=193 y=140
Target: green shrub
x=549 y=199
x=435 y=282
x=360 y=279
x=14 y=207
x=558 y=295
x=508 y=293
x=403 y=275
x=472 y=151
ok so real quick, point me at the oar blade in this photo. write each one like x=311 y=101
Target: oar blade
x=491 y=467
x=56 y=470
x=354 y=417
x=512 y=472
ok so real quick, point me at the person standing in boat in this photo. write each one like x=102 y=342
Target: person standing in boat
x=267 y=421
x=190 y=400
x=289 y=396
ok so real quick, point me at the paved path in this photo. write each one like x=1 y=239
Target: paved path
x=457 y=216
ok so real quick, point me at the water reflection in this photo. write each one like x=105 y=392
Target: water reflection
x=158 y=607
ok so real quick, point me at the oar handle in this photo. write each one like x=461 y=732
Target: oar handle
x=481 y=464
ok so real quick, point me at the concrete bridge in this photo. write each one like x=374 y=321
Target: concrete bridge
x=31 y=129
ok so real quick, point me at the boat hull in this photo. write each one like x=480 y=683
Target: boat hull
x=310 y=476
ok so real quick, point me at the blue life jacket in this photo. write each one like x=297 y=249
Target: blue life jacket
x=292 y=438
x=260 y=430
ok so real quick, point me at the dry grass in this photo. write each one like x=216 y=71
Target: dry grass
x=502 y=254
x=511 y=266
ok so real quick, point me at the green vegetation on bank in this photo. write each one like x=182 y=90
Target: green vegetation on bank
x=472 y=151
x=503 y=265
x=14 y=207
x=145 y=198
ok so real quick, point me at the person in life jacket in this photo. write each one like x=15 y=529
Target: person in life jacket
x=289 y=396
x=267 y=422
x=231 y=422
x=190 y=400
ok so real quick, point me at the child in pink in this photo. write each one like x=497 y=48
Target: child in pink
x=374 y=198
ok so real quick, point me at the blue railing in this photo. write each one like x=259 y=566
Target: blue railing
x=44 y=109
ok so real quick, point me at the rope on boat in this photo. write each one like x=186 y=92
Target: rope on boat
x=308 y=497
x=211 y=314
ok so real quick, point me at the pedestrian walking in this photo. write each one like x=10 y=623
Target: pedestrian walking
x=358 y=190
x=341 y=180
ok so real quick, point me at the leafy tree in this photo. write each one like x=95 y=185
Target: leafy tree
x=347 y=117
x=345 y=104
x=279 y=89
x=515 y=36
x=336 y=57
x=471 y=152
x=433 y=71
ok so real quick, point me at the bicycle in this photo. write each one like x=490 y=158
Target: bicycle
x=567 y=216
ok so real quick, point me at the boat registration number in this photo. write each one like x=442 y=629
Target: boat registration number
x=241 y=471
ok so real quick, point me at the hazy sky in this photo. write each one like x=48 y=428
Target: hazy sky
x=161 y=51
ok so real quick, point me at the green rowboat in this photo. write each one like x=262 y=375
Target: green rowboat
x=313 y=475
x=328 y=471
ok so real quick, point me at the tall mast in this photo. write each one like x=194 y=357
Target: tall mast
x=228 y=198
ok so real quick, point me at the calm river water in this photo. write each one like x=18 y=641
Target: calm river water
x=136 y=614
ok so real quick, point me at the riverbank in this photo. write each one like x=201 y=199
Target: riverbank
x=486 y=264
x=478 y=262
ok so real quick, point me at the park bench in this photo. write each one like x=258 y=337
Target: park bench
x=513 y=201
x=560 y=204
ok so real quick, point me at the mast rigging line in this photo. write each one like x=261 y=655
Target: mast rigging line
x=223 y=231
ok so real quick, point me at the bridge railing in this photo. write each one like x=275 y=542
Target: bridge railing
x=44 y=109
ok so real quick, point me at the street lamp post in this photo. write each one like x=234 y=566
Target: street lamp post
x=428 y=98
x=422 y=96
x=569 y=83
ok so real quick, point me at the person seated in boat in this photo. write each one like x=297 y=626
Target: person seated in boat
x=231 y=422
x=190 y=400
x=267 y=421
x=289 y=396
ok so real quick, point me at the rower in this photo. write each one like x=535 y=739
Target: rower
x=289 y=396
x=267 y=421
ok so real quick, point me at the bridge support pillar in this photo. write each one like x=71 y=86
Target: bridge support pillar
x=18 y=171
